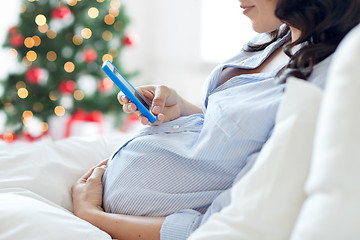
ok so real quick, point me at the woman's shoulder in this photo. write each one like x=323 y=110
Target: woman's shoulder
x=320 y=72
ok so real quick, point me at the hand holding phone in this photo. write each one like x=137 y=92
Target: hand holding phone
x=130 y=92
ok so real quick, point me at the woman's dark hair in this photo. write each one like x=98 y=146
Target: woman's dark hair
x=323 y=24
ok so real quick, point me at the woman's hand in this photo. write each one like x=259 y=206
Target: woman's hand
x=87 y=191
x=87 y=200
x=165 y=103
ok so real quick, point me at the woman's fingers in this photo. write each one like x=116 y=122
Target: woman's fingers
x=96 y=174
x=161 y=95
x=163 y=100
x=122 y=98
x=87 y=192
x=128 y=107
x=88 y=173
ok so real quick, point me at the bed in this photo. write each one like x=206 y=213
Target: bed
x=35 y=186
x=305 y=184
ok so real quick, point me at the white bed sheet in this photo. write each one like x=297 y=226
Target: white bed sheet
x=35 y=186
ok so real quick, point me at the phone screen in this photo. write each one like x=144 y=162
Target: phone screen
x=131 y=88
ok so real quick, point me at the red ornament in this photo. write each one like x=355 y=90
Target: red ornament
x=8 y=137
x=130 y=40
x=13 y=30
x=105 y=85
x=67 y=86
x=16 y=40
x=61 y=12
x=89 y=55
x=35 y=75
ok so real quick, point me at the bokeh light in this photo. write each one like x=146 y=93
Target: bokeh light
x=40 y=20
x=107 y=83
x=114 y=12
x=115 y=4
x=26 y=62
x=51 y=34
x=107 y=57
x=8 y=137
x=86 y=33
x=22 y=8
x=93 y=12
x=20 y=84
x=71 y=2
x=69 y=67
x=107 y=35
x=27 y=114
x=79 y=95
x=29 y=42
x=23 y=93
x=9 y=107
x=51 y=56
x=45 y=127
x=31 y=56
x=37 y=40
x=43 y=28
x=13 y=52
x=59 y=111
x=109 y=19
x=77 y=40
x=53 y=96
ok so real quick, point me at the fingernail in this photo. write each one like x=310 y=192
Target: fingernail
x=156 y=110
x=161 y=117
x=121 y=100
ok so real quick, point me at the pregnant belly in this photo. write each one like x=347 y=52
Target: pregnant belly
x=153 y=177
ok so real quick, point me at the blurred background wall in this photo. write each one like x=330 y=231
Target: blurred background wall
x=182 y=40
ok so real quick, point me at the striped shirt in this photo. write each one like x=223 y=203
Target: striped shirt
x=184 y=169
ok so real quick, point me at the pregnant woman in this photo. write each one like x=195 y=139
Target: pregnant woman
x=169 y=178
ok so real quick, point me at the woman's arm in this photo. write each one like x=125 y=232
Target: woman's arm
x=166 y=104
x=87 y=200
x=124 y=226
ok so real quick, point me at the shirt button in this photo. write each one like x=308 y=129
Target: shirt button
x=176 y=126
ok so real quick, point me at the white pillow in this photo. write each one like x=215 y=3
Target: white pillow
x=25 y=215
x=332 y=210
x=266 y=202
x=49 y=168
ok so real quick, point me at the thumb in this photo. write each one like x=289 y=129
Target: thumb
x=161 y=99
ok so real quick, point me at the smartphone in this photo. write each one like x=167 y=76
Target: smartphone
x=130 y=92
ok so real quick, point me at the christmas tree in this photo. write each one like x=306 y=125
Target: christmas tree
x=61 y=46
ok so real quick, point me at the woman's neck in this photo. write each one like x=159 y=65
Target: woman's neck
x=295 y=34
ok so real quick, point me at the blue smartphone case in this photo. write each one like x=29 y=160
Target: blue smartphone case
x=152 y=118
